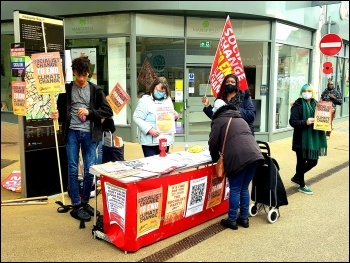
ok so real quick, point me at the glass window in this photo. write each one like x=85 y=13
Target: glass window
x=293 y=35
x=292 y=68
x=110 y=58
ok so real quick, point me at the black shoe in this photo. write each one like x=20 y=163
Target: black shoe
x=243 y=222
x=90 y=210
x=80 y=214
x=229 y=224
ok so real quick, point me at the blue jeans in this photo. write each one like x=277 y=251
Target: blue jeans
x=239 y=192
x=76 y=140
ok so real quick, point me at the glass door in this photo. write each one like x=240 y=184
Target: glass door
x=197 y=124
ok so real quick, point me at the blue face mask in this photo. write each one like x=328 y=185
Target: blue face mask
x=159 y=94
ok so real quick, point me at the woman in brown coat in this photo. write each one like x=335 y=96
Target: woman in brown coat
x=241 y=157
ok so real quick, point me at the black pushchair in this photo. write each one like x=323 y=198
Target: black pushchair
x=267 y=186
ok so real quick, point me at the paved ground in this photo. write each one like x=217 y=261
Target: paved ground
x=311 y=228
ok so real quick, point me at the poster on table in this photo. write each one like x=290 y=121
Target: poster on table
x=118 y=98
x=90 y=53
x=216 y=190
x=116 y=204
x=196 y=196
x=48 y=73
x=323 y=120
x=165 y=120
x=227 y=60
x=146 y=75
x=149 y=209
x=175 y=202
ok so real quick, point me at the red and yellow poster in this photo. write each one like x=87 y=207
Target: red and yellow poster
x=215 y=192
x=227 y=60
x=117 y=98
x=323 y=120
x=176 y=202
x=149 y=209
x=19 y=98
x=146 y=75
x=48 y=73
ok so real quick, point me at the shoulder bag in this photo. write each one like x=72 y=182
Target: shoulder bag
x=220 y=168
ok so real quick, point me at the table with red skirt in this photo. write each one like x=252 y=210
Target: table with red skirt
x=158 y=198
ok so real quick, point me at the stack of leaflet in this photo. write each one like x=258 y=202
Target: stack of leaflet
x=113 y=169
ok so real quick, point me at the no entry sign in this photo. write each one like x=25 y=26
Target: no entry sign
x=331 y=44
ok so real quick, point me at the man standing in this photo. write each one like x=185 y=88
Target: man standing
x=333 y=95
x=80 y=110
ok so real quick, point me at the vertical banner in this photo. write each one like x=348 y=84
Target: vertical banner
x=48 y=75
x=117 y=98
x=323 y=120
x=227 y=60
x=18 y=84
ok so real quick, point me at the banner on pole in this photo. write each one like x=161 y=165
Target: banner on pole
x=227 y=60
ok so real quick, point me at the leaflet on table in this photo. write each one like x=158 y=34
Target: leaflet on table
x=113 y=168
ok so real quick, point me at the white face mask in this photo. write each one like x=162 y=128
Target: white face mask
x=307 y=95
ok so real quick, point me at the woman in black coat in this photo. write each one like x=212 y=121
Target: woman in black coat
x=241 y=157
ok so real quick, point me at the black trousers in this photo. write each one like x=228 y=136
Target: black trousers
x=302 y=167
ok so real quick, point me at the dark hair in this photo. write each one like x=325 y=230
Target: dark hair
x=222 y=94
x=155 y=83
x=81 y=65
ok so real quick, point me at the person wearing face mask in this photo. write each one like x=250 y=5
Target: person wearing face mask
x=333 y=95
x=308 y=144
x=145 y=116
x=231 y=94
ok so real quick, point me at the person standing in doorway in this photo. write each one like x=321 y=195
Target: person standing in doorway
x=308 y=144
x=231 y=94
x=333 y=95
x=80 y=110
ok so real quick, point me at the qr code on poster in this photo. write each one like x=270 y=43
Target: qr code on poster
x=197 y=193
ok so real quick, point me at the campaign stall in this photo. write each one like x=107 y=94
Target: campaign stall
x=150 y=199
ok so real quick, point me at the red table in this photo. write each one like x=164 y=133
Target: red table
x=136 y=214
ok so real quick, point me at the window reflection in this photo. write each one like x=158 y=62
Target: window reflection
x=293 y=67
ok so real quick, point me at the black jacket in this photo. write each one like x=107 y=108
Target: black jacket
x=99 y=108
x=297 y=122
x=241 y=149
x=246 y=108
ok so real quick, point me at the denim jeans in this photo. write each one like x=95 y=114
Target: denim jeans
x=76 y=140
x=239 y=192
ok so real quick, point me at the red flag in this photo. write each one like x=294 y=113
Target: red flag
x=227 y=60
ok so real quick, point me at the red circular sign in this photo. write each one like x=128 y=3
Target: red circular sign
x=331 y=44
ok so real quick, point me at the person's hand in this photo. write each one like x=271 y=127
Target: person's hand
x=176 y=115
x=153 y=132
x=332 y=110
x=54 y=115
x=83 y=112
x=331 y=96
x=205 y=101
x=310 y=121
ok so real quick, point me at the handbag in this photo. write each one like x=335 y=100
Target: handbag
x=220 y=168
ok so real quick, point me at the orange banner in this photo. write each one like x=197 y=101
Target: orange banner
x=117 y=98
x=227 y=60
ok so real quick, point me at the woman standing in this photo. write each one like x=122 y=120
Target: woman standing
x=241 y=158
x=229 y=92
x=146 y=112
x=308 y=144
